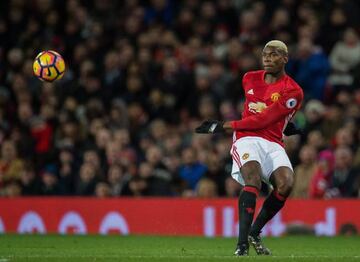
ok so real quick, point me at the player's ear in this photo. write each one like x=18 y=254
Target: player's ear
x=286 y=59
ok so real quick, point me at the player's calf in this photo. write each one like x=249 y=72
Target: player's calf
x=271 y=206
x=247 y=199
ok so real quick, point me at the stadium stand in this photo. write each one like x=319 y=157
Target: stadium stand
x=142 y=74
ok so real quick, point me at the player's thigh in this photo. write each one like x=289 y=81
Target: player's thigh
x=247 y=162
x=283 y=180
x=276 y=159
x=251 y=173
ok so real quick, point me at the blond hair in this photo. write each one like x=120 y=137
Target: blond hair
x=277 y=44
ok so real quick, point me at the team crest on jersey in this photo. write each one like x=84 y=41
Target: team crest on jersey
x=245 y=156
x=257 y=107
x=275 y=97
x=291 y=103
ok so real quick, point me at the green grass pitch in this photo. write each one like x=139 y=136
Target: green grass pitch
x=170 y=249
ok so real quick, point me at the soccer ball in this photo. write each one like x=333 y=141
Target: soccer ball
x=49 y=66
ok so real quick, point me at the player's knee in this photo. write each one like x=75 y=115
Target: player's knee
x=251 y=173
x=285 y=185
x=254 y=182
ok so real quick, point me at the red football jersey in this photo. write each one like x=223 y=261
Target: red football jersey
x=268 y=107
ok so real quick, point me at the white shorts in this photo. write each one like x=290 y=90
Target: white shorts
x=270 y=156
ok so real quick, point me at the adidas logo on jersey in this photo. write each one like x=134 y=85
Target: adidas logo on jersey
x=251 y=91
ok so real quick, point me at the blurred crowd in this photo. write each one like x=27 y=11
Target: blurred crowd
x=142 y=74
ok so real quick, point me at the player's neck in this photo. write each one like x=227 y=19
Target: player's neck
x=271 y=78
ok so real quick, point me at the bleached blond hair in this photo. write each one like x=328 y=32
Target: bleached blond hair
x=277 y=44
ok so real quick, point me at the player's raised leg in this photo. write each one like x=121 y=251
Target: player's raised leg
x=282 y=179
x=251 y=173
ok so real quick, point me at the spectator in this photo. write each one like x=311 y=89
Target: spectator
x=316 y=139
x=344 y=175
x=155 y=185
x=50 y=182
x=337 y=23
x=310 y=68
x=30 y=183
x=118 y=115
x=154 y=156
x=117 y=179
x=321 y=181
x=232 y=188
x=67 y=165
x=332 y=121
x=191 y=171
x=344 y=137
x=343 y=58
x=206 y=188
x=11 y=165
x=304 y=172
x=87 y=180
x=13 y=189
x=314 y=115
x=220 y=79
x=136 y=187
x=102 y=190
x=91 y=156
x=159 y=11
x=216 y=172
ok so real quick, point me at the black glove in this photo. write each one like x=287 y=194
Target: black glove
x=210 y=127
x=292 y=129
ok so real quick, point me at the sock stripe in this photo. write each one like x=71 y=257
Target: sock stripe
x=278 y=196
x=251 y=189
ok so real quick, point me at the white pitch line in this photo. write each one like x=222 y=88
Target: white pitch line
x=165 y=256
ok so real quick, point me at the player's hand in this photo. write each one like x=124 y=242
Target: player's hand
x=210 y=127
x=292 y=129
